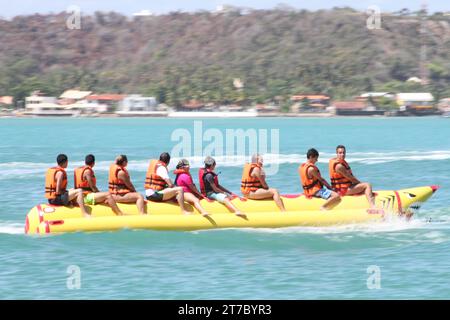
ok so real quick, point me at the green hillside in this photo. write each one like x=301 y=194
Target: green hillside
x=182 y=56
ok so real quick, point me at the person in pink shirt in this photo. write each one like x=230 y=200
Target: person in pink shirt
x=191 y=194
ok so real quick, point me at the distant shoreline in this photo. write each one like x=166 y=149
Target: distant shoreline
x=272 y=115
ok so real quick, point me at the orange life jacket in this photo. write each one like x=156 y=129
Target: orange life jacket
x=310 y=185
x=201 y=178
x=116 y=185
x=152 y=180
x=338 y=181
x=79 y=180
x=248 y=182
x=50 y=182
x=178 y=172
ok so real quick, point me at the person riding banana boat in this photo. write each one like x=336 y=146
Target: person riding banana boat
x=312 y=182
x=254 y=185
x=159 y=187
x=184 y=180
x=121 y=187
x=345 y=183
x=84 y=178
x=56 y=186
x=210 y=187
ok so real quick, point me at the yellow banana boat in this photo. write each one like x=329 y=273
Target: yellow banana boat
x=301 y=211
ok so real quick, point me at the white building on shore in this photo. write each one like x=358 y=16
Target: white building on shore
x=75 y=101
x=135 y=105
x=40 y=105
x=36 y=100
x=70 y=103
x=416 y=103
x=416 y=100
x=136 y=102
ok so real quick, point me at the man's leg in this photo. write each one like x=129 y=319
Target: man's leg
x=272 y=193
x=132 y=197
x=177 y=192
x=365 y=188
x=106 y=197
x=77 y=195
x=227 y=202
x=333 y=199
x=190 y=198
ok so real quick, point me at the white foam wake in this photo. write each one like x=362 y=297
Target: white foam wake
x=24 y=169
x=8 y=227
x=373 y=227
x=393 y=223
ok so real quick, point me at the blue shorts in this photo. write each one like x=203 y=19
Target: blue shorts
x=323 y=193
x=217 y=196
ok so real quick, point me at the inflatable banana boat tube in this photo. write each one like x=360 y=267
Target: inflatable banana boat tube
x=301 y=211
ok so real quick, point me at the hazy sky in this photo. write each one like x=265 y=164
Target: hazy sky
x=10 y=8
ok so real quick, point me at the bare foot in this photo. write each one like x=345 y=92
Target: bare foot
x=186 y=213
x=408 y=215
x=87 y=215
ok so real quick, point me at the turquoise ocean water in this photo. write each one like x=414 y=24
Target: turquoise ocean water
x=292 y=263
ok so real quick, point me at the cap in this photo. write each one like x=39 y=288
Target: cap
x=209 y=161
x=183 y=163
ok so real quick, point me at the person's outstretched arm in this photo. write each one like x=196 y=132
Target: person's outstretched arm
x=316 y=174
x=126 y=179
x=195 y=191
x=88 y=176
x=341 y=169
x=59 y=179
x=258 y=173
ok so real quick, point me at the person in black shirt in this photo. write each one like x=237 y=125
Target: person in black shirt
x=209 y=184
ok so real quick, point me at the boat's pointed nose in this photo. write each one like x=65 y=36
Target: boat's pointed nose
x=434 y=188
x=411 y=196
